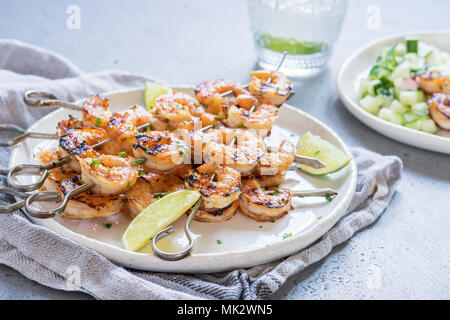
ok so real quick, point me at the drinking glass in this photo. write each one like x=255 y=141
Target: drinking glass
x=305 y=29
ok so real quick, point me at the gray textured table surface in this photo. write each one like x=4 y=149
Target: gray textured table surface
x=407 y=250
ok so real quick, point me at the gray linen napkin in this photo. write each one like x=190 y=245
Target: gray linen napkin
x=44 y=256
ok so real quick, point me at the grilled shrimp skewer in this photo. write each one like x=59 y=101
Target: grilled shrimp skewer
x=271 y=169
x=161 y=149
x=86 y=205
x=242 y=156
x=270 y=205
x=212 y=94
x=219 y=187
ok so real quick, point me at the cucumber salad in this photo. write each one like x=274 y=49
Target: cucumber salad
x=390 y=91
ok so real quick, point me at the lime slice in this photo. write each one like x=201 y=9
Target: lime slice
x=152 y=91
x=313 y=146
x=156 y=217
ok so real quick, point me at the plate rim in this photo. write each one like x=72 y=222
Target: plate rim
x=152 y=263
x=373 y=121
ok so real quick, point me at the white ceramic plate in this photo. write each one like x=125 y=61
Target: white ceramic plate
x=244 y=242
x=358 y=65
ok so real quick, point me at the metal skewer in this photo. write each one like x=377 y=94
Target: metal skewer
x=245 y=86
x=172 y=256
x=310 y=193
x=22 y=134
x=36 y=98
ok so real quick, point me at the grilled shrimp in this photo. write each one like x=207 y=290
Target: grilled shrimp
x=219 y=187
x=110 y=174
x=190 y=133
x=209 y=93
x=439 y=107
x=88 y=204
x=78 y=142
x=176 y=106
x=64 y=125
x=271 y=181
x=146 y=190
x=433 y=85
x=95 y=112
x=242 y=156
x=259 y=205
x=273 y=163
x=56 y=175
x=161 y=149
x=123 y=125
x=270 y=86
x=263 y=117
x=139 y=197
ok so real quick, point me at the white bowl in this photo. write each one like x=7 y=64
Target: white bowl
x=357 y=66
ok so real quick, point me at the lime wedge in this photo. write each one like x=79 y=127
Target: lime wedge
x=156 y=217
x=313 y=146
x=152 y=91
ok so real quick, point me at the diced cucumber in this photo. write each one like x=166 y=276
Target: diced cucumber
x=421 y=96
x=391 y=116
x=420 y=107
x=372 y=86
x=400 y=48
x=371 y=104
x=413 y=124
x=410 y=117
x=387 y=100
x=421 y=116
x=397 y=118
x=403 y=70
x=377 y=72
x=385 y=114
x=409 y=97
x=397 y=106
x=398 y=85
x=428 y=126
x=434 y=58
x=364 y=87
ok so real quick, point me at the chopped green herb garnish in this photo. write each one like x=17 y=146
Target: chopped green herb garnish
x=129 y=184
x=217 y=117
x=138 y=162
x=272 y=220
x=107 y=225
x=328 y=197
x=317 y=152
x=158 y=196
x=276 y=191
x=149 y=128
x=97 y=122
x=122 y=154
x=141 y=173
x=95 y=162
x=241 y=124
x=319 y=217
x=287 y=235
x=21 y=132
x=219 y=241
